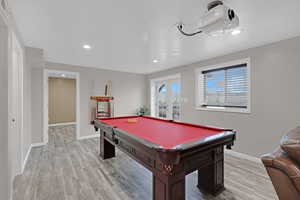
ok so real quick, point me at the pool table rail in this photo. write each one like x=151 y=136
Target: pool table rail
x=117 y=132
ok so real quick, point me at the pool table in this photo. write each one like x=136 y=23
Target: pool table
x=170 y=150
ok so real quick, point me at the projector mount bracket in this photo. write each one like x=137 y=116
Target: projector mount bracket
x=210 y=6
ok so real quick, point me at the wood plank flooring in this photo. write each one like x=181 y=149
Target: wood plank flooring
x=67 y=169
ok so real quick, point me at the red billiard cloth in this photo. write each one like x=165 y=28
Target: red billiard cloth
x=164 y=133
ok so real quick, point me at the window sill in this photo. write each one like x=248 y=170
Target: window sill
x=223 y=109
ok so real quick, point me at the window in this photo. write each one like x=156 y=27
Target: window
x=165 y=97
x=224 y=87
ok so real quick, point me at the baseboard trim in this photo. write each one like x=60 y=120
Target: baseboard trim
x=63 y=124
x=243 y=156
x=26 y=158
x=89 y=137
x=28 y=154
x=38 y=144
x=43 y=144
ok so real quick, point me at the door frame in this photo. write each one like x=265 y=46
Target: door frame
x=47 y=74
x=16 y=68
x=153 y=91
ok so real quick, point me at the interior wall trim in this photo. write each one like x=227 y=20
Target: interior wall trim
x=63 y=124
x=38 y=144
x=47 y=74
x=28 y=154
x=89 y=137
x=26 y=159
x=243 y=156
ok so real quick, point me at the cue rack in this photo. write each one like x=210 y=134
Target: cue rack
x=103 y=107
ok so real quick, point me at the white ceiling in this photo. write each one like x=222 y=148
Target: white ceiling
x=129 y=35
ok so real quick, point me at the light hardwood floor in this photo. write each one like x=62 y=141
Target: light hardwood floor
x=67 y=169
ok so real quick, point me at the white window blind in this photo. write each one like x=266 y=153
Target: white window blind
x=226 y=87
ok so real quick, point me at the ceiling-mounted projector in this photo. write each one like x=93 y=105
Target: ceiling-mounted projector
x=218 y=19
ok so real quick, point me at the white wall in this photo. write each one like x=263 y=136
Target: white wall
x=275 y=82
x=7 y=145
x=35 y=62
x=4 y=166
x=26 y=108
x=129 y=91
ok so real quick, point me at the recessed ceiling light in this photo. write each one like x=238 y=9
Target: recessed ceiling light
x=236 y=32
x=63 y=75
x=155 y=61
x=87 y=47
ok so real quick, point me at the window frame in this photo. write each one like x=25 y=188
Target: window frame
x=199 y=87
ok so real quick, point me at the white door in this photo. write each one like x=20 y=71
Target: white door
x=167 y=99
x=175 y=99
x=162 y=100
x=15 y=106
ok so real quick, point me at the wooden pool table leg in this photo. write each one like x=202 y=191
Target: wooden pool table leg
x=107 y=150
x=211 y=177
x=168 y=187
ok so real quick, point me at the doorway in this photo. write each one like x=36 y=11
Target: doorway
x=61 y=101
x=166 y=97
